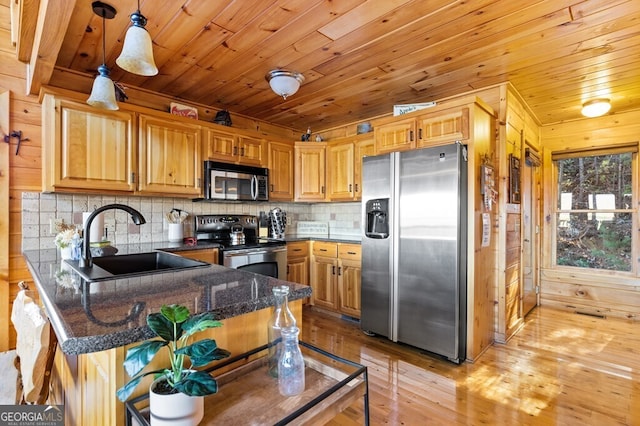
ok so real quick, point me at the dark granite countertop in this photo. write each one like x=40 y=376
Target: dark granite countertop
x=96 y=316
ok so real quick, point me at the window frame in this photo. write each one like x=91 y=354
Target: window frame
x=631 y=148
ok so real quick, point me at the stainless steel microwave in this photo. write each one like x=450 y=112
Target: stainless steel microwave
x=234 y=182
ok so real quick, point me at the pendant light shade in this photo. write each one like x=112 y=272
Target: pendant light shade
x=596 y=107
x=284 y=83
x=103 y=93
x=137 y=52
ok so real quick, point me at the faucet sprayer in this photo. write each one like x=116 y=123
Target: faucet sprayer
x=86 y=260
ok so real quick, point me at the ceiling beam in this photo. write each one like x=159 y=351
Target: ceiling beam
x=24 y=14
x=51 y=26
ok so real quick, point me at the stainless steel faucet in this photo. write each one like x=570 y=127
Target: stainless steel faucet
x=86 y=261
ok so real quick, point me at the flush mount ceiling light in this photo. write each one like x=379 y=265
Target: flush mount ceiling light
x=283 y=82
x=596 y=107
x=103 y=93
x=137 y=52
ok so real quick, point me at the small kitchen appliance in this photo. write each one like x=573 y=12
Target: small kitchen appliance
x=235 y=182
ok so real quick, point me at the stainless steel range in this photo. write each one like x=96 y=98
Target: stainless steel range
x=240 y=244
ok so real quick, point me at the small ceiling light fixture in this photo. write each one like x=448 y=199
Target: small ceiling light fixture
x=596 y=107
x=137 y=52
x=283 y=82
x=103 y=93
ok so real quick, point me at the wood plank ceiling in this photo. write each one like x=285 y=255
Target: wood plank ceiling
x=360 y=57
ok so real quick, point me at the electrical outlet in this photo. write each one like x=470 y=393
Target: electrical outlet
x=55 y=225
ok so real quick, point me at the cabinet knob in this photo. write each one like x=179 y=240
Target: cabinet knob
x=350 y=186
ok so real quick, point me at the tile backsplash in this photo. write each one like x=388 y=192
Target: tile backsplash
x=38 y=209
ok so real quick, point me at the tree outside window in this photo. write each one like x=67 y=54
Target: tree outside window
x=594 y=211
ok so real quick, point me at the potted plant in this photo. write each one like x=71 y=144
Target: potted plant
x=174 y=325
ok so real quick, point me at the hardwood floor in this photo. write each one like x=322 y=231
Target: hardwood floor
x=561 y=368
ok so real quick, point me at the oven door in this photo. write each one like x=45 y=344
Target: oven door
x=270 y=261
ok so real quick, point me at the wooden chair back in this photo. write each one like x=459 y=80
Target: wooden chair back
x=35 y=348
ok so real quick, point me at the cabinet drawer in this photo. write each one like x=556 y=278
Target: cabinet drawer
x=350 y=251
x=297 y=249
x=325 y=249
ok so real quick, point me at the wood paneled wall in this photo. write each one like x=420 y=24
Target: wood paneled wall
x=606 y=293
x=24 y=175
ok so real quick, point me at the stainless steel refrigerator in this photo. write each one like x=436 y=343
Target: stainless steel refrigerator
x=414 y=248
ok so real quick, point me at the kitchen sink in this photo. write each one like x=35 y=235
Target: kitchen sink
x=127 y=265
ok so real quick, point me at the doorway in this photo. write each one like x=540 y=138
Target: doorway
x=530 y=204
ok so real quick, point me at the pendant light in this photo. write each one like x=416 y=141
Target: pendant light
x=137 y=52
x=283 y=82
x=103 y=93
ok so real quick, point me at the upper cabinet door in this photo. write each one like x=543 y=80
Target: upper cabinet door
x=280 y=171
x=220 y=146
x=310 y=172
x=397 y=135
x=364 y=148
x=85 y=148
x=170 y=161
x=340 y=181
x=443 y=126
x=251 y=151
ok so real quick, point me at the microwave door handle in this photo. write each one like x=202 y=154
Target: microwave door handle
x=254 y=187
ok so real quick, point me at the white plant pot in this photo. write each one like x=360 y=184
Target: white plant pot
x=65 y=253
x=176 y=409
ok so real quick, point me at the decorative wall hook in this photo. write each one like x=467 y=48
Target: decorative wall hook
x=17 y=135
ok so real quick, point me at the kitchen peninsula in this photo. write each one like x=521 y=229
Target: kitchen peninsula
x=95 y=322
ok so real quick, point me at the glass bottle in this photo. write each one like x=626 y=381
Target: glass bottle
x=290 y=364
x=281 y=318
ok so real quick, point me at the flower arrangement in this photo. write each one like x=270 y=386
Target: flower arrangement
x=65 y=235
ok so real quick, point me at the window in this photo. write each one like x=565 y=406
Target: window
x=595 y=209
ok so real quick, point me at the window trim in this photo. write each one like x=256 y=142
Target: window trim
x=631 y=148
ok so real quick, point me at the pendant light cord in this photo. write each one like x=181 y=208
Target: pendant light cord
x=104 y=36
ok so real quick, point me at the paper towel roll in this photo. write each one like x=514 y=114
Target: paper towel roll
x=97 y=227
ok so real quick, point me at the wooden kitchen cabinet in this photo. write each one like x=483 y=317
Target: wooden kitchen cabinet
x=340 y=179
x=281 y=169
x=349 y=281
x=422 y=129
x=335 y=277
x=323 y=275
x=344 y=166
x=85 y=148
x=443 y=126
x=233 y=148
x=170 y=160
x=365 y=146
x=395 y=135
x=310 y=174
x=298 y=262
x=208 y=255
